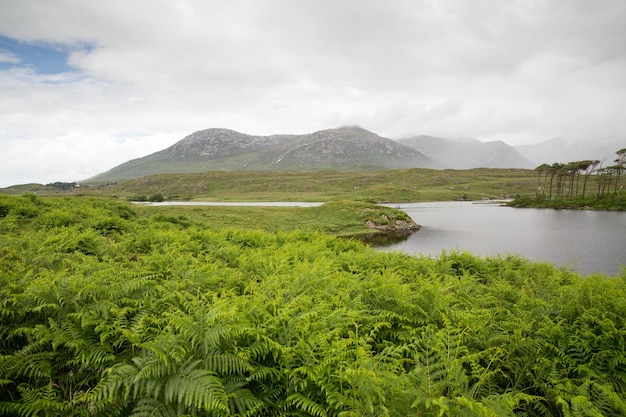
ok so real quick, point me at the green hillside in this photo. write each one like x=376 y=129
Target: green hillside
x=382 y=185
x=346 y=148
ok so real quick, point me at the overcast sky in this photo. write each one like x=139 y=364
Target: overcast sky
x=87 y=85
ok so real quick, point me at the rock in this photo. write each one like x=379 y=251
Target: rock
x=399 y=226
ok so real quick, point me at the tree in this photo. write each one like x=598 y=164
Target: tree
x=554 y=169
x=620 y=166
x=589 y=169
x=570 y=170
x=543 y=169
x=604 y=180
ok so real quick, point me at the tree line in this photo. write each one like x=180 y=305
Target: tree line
x=578 y=184
x=563 y=180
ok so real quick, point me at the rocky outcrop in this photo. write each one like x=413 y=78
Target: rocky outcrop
x=398 y=226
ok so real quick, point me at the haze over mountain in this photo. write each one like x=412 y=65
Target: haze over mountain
x=347 y=148
x=563 y=150
x=469 y=153
x=472 y=153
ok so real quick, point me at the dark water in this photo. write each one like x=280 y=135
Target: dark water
x=583 y=240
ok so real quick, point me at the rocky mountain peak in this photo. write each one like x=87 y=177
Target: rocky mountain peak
x=216 y=142
x=347 y=147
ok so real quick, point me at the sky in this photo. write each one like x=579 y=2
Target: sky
x=87 y=85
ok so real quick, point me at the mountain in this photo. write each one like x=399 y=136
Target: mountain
x=567 y=150
x=469 y=153
x=349 y=148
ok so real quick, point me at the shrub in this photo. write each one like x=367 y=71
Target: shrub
x=138 y=198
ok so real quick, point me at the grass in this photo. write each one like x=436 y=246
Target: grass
x=344 y=218
x=341 y=218
x=406 y=185
x=610 y=203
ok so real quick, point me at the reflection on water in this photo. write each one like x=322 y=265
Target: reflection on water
x=586 y=241
x=385 y=239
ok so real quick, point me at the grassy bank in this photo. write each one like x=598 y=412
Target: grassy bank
x=342 y=217
x=611 y=203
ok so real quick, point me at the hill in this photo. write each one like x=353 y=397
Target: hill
x=346 y=148
x=468 y=154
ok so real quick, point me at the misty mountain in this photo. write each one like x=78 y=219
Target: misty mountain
x=469 y=153
x=563 y=150
x=346 y=148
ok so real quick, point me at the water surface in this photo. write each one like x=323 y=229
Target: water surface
x=585 y=240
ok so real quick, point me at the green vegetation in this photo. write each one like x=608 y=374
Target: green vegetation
x=341 y=217
x=579 y=184
x=108 y=309
x=387 y=185
x=604 y=203
x=402 y=185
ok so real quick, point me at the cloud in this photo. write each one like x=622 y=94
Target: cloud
x=518 y=70
x=8 y=57
x=74 y=156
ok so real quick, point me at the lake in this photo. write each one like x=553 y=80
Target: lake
x=584 y=240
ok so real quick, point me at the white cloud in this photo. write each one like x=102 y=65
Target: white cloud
x=516 y=70
x=8 y=57
x=74 y=156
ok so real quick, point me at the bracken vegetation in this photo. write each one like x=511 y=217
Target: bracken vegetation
x=104 y=312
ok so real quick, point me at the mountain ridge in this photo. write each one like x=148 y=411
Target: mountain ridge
x=216 y=149
x=346 y=148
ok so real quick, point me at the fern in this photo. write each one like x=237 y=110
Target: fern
x=105 y=313
x=226 y=364
x=196 y=388
x=302 y=403
x=148 y=407
x=43 y=400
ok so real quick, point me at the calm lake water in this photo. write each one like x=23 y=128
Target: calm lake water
x=584 y=240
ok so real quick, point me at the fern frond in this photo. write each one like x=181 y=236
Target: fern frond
x=305 y=404
x=147 y=407
x=197 y=388
x=45 y=399
x=243 y=402
x=115 y=385
x=33 y=366
x=226 y=364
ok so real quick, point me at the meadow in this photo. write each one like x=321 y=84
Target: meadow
x=111 y=309
x=400 y=185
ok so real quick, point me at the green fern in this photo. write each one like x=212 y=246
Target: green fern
x=302 y=403
x=196 y=388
